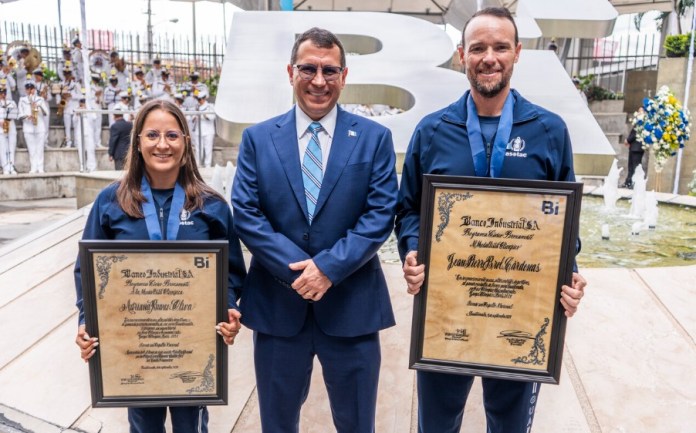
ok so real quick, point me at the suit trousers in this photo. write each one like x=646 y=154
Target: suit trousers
x=350 y=367
x=634 y=160
x=185 y=419
x=509 y=404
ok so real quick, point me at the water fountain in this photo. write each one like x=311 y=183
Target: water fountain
x=611 y=186
x=638 y=198
x=217 y=182
x=651 y=211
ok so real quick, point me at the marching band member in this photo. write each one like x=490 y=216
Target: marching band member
x=8 y=133
x=124 y=105
x=32 y=109
x=78 y=61
x=70 y=94
x=96 y=98
x=42 y=88
x=65 y=62
x=6 y=74
x=164 y=87
x=155 y=73
x=86 y=119
x=111 y=93
x=21 y=71
x=118 y=65
x=192 y=89
x=206 y=128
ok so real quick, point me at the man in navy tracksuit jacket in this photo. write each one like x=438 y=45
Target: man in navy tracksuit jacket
x=492 y=131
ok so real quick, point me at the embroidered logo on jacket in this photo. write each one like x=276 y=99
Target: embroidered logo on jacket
x=515 y=148
x=183 y=218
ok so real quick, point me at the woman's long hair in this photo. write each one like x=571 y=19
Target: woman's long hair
x=129 y=194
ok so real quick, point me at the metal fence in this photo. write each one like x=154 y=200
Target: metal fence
x=609 y=59
x=178 y=53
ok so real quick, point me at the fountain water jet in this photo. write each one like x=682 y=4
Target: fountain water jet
x=611 y=186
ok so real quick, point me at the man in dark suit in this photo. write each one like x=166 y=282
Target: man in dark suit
x=119 y=140
x=314 y=199
x=635 y=154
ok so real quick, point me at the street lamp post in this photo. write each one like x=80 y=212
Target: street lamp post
x=150 y=26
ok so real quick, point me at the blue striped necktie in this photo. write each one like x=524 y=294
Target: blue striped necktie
x=312 y=173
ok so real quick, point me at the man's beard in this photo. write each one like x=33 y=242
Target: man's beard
x=489 y=90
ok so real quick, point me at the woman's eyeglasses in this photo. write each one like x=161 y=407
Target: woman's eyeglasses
x=153 y=137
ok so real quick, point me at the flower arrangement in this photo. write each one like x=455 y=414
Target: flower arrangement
x=662 y=126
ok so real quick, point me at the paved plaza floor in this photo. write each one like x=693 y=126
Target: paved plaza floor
x=628 y=364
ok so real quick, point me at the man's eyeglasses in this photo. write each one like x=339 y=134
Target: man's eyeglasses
x=153 y=137
x=308 y=72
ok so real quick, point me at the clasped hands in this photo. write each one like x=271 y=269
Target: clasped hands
x=414 y=274
x=312 y=284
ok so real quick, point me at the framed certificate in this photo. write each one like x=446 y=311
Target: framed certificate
x=496 y=253
x=154 y=306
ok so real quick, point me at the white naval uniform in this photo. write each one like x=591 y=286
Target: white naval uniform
x=123 y=77
x=125 y=109
x=76 y=55
x=143 y=88
x=69 y=109
x=206 y=124
x=40 y=86
x=111 y=98
x=163 y=89
x=8 y=142
x=153 y=75
x=190 y=102
x=89 y=149
x=33 y=134
x=11 y=84
x=95 y=103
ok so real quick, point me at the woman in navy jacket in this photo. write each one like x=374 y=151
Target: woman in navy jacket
x=163 y=196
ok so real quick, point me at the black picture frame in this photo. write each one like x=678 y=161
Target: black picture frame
x=96 y=260
x=453 y=189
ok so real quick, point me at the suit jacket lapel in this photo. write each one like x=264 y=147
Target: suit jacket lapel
x=285 y=141
x=344 y=141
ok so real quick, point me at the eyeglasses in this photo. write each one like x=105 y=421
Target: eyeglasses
x=153 y=137
x=308 y=72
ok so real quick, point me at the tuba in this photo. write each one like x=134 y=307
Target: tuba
x=32 y=61
x=98 y=61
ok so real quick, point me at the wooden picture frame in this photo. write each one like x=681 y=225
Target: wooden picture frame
x=497 y=252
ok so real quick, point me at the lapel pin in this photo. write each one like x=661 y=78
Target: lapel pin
x=352 y=133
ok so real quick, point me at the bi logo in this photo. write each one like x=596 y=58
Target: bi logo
x=201 y=262
x=549 y=207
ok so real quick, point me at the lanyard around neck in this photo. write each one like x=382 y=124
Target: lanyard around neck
x=151 y=217
x=502 y=136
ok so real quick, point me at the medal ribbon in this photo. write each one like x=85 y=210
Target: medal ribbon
x=502 y=136
x=151 y=217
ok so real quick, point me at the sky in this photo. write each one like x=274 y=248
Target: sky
x=130 y=15
x=123 y=15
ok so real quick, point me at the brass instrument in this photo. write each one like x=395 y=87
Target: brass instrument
x=6 y=126
x=98 y=61
x=120 y=64
x=44 y=90
x=34 y=112
x=61 y=106
x=32 y=61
